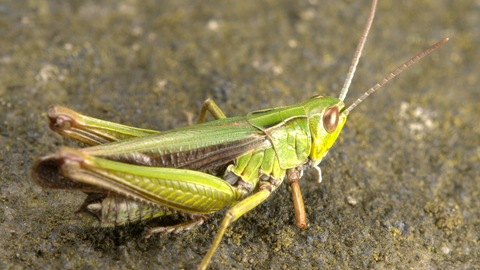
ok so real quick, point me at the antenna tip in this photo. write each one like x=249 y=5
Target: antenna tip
x=436 y=45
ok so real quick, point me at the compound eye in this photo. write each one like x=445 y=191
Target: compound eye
x=330 y=119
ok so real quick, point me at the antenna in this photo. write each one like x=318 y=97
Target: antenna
x=358 y=52
x=394 y=73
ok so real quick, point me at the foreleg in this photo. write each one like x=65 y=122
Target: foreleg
x=293 y=176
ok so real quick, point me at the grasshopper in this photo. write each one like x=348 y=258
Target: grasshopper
x=133 y=174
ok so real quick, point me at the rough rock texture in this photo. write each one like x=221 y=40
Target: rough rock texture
x=400 y=187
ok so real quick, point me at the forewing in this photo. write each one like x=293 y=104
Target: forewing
x=197 y=147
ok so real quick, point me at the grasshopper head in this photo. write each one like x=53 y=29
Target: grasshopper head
x=326 y=120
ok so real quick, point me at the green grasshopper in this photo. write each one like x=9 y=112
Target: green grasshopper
x=133 y=174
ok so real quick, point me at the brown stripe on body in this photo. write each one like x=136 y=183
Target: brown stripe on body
x=197 y=159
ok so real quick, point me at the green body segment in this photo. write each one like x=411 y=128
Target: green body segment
x=287 y=131
x=270 y=165
x=261 y=162
x=254 y=162
x=115 y=210
x=287 y=128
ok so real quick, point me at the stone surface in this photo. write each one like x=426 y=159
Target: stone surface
x=408 y=156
